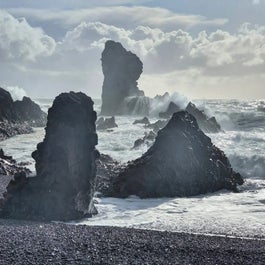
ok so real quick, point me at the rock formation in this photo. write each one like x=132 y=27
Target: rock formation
x=28 y=111
x=17 y=117
x=65 y=166
x=107 y=123
x=182 y=162
x=9 y=166
x=208 y=125
x=148 y=139
x=144 y=121
x=121 y=71
x=172 y=108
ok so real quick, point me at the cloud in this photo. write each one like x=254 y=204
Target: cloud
x=119 y=16
x=212 y=63
x=20 y=41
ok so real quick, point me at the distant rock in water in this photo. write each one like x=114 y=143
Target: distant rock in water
x=106 y=123
x=144 y=121
x=121 y=69
x=172 y=108
x=208 y=125
x=17 y=117
x=182 y=162
x=147 y=139
x=156 y=126
x=65 y=165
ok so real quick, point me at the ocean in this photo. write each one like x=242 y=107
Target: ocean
x=222 y=213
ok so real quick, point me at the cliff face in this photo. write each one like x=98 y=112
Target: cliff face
x=65 y=166
x=121 y=71
x=182 y=162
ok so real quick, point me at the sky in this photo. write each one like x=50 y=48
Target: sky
x=198 y=48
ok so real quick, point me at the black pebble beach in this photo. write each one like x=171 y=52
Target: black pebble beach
x=56 y=243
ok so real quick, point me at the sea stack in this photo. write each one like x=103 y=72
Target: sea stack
x=121 y=69
x=65 y=165
x=182 y=162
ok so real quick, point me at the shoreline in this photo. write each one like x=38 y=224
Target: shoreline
x=23 y=242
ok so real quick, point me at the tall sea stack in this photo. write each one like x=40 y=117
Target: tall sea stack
x=121 y=69
x=65 y=166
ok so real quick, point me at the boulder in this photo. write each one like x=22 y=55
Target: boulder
x=65 y=165
x=172 y=107
x=121 y=69
x=182 y=162
x=144 y=121
x=107 y=123
x=208 y=125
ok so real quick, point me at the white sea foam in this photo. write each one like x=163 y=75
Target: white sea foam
x=17 y=93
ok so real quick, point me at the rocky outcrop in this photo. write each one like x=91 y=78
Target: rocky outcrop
x=182 y=162
x=148 y=139
x=156 y=126
x=144 y=121
x=172 y=108
x=17 y=117
x=208 y=125
x=106 y=123
x=9 y=166
x=28 y=111
x=121 y=69
x=65 y=165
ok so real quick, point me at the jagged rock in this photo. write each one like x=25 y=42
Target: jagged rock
x=107 y=170
x=208 y=125
x=108 y=123
x=182 y=162
x=156 y=126
x=172 y=108
x=147 y=139
x=29 y=111
x=65 y=165
x=121 y=71
x=9 y=166
x=18 y=117
x=10 y=129
x=144 y=121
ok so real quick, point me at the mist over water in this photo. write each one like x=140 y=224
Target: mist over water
x=242 y=140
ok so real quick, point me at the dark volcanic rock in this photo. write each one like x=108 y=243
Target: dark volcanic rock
x=172 y=107
x=156 y=126
x=144 y=121
x=107 y=171
x=9 y=129
x=9 y=166
x=65 y=165
x=147 y=139
x=107 y=123
x=29 y=111
x=18 y=117
x=208 y=125
x=182 y=162
x=121 y=71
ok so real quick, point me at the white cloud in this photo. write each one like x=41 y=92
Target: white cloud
x=212 y=63
x=19 y=41
x=120 y=16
